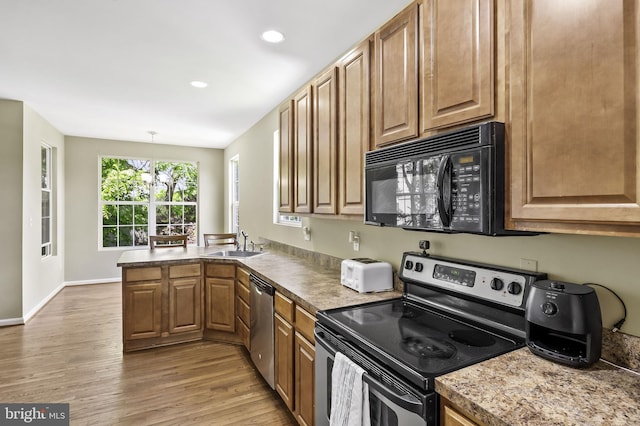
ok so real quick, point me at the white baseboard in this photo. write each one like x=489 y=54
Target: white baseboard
x=11 y=321
x=100 y=281
x=43 y=302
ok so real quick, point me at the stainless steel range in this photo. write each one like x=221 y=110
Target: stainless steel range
x=453 y=313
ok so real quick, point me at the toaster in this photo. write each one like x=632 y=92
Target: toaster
x=366 y=275
x=564 y=323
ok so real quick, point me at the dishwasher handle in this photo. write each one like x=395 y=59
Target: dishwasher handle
x=261 y=285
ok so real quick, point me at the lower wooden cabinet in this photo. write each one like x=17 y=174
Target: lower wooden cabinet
x=305 y=356
x=294 y=356
x=243 y=307
x=451 y=415
x=161 y=305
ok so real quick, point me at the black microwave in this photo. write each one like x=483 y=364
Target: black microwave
x=450 y=182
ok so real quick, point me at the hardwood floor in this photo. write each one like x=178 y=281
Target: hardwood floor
x=71 y=351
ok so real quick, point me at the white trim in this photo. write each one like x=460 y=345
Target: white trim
x=98 y=281
x=11 y=321
x=43 y=302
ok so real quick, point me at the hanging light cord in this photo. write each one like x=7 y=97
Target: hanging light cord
x=617 y=325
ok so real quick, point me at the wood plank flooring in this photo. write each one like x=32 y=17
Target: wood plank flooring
x=71 y=351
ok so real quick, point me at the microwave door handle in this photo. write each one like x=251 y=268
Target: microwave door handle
x=444 y=208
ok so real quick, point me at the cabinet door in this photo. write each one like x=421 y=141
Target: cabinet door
x=451 y=416
x=185 y=300
x=395 y=79
x=283 y=359
x=303 y=151
x=305 y=380
x=142 y=310
x=285 y=162
x=573 y=116
x=354 y=139
x=457 y=62
x=220 y=301
x=325 y=142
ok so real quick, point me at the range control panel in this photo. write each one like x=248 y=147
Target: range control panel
x=494 y=283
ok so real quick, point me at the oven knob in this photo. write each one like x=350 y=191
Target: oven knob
x=549 y=308
x=514 y=288
x=497 y=284
x=419 y=267
x=408 y=264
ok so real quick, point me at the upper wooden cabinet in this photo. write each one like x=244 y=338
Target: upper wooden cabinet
x=573 y=122
x=303 y=151
x=457 y=62
x=285 y=162
x=325 y=142
x=395 y=79
x=354 y=139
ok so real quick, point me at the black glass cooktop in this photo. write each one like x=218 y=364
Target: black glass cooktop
x=412 y=338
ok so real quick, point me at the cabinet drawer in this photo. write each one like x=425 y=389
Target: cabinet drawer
x=243 y=293
x=284 y=306
x=143 y=274
x=243 y=276
x=179 y=271
x=244 y=333
x=243 y=311
x=220 y=270
x=305 y=323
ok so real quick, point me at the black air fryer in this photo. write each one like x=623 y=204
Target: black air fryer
x=563 y=323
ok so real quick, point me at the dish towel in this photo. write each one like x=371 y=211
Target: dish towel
x=349 y=394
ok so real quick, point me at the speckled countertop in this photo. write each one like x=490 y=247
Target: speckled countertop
x=520 y=388
x=312 y=286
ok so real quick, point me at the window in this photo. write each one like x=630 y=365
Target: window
x=141 y=198
x=45 y=178
x=280 y=218
x=234 y=195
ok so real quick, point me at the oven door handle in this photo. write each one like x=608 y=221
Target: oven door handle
x=406 y=401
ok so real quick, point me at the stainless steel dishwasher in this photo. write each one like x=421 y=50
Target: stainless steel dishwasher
x=262 y=328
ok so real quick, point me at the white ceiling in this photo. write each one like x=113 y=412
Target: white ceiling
x=117 y=69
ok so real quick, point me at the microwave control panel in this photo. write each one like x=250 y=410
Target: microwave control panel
x=466 y=191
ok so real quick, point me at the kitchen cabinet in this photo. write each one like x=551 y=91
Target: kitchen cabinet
x=572 y=116
x=161 y=305
x=325 y=142
x=285 y=159
x=243 y=307
x=294 y=355
x=220 y=281
x=354 y=139
x=457 y=62
x=395 y=79
x=185 y=294
x=451 y=415
x=303 y=151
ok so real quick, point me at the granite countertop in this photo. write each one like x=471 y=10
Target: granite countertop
x=314 y=287
x=520 y=388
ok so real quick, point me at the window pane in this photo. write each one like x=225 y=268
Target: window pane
x=176 y=214
x=189 y=214
x=141 y=236
x=109 y=215
x=141 y=214
x=44 y=156
x=177 y=229
x=109 y=237
x=46 y=200
x=190 y=230
x=163 y=230
x=125 y=215
x=46 y=230
x=125 y=236
x=162 y=214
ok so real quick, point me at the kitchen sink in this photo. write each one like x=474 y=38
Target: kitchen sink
x=235 y=253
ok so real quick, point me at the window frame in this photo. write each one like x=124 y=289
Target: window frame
x=234 y=194
x=151 y=203
x=46 y=186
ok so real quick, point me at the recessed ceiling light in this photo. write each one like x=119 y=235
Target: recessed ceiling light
x=199 y=84
x=272 y=36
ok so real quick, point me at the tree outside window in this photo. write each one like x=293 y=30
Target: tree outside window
x=129 y=211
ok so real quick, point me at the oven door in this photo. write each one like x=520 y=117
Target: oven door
x=392 y=403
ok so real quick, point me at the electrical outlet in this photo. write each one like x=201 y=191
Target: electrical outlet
x=356 y=244
x=529 y=265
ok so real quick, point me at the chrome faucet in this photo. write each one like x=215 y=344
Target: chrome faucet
x=244 y=244
x=253 y=245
